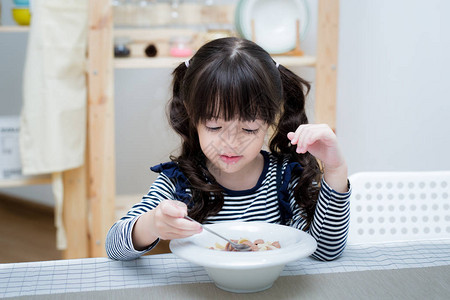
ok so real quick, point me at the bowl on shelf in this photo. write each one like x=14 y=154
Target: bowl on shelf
x=245 y=272
x=21 y=15
x=21 y=2
x=260 y=21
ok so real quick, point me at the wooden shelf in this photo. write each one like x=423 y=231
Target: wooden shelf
x=14 y=28
x=32 y=180
x=296 y=61
x=171 y=62
x=145 y=63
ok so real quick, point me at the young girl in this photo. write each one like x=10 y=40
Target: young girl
x=225 y=99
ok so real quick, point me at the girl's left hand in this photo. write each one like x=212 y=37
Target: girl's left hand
x=320 y=141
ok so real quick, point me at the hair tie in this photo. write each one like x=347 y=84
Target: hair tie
x=186 y=62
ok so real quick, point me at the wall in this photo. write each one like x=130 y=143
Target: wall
x=392 y=107
x=393 y=89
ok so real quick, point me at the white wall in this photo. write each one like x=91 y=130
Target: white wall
x=143 y=135
x=393 y=87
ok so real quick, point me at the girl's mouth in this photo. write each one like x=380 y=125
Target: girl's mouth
x=230 y=159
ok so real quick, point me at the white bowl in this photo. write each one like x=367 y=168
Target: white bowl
x=275 y=22
x=245 y=272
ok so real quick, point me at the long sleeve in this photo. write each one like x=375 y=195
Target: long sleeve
x=119 y=243
x=330 y=224
x=261 y=203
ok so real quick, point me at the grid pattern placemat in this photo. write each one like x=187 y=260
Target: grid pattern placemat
x=380 y=256
x=93 y=274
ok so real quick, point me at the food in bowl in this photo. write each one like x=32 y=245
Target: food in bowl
x=257 y=245
x=248 y=271
x=21 y=15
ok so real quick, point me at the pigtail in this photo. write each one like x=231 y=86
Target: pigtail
x=177 y=114
x=293 y=114
x=207 y=197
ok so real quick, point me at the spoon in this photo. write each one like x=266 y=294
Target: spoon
x=238 y=247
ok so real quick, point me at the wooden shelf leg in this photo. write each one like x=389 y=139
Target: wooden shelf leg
x=100 y=155
x=327 y=54
x=75 y=214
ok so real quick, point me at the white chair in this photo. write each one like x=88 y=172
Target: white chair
x=399 y=206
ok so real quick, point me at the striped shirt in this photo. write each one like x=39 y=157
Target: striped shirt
x=260 y=203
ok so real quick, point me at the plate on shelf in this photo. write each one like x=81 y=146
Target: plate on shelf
x=275 y=22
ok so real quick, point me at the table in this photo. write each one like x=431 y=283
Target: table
x=411 y=270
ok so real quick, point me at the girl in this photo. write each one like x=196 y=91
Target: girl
x=224 y=101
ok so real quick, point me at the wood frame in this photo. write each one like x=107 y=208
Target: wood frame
x=90 y=190
x=101 y=189
x=326 y=65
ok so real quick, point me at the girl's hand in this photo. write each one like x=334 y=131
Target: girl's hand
x=169 y=222
x=166 y=222
x=321 y=142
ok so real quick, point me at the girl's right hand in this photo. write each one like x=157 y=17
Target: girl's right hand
x=166 y=222
x=169 y=222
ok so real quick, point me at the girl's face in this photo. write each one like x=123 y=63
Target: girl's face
x=230 y=146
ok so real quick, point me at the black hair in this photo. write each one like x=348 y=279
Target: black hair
x=229 y=78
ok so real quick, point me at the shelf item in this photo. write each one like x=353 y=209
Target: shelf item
x=121 y=47
x=21 y=2
x=21 y=15
x=276 y=35
x=181 y=46
x=165 y=42
x=140 y=38
x=151 y=50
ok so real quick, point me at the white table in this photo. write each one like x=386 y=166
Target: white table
x=368 y=271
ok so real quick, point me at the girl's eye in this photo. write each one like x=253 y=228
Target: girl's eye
x=209 y=128
x=251 y=131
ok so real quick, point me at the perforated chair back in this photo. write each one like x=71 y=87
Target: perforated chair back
x=399 y=206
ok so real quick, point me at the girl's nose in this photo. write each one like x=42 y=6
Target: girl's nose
x=230 y=137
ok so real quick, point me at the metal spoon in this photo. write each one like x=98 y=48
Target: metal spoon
x=238 y=247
